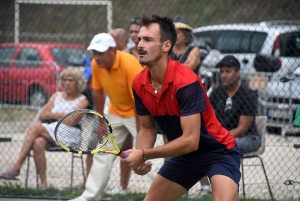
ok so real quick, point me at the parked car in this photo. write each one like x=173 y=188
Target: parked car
x=281 y=98
x=279 y=39
x=29 y=71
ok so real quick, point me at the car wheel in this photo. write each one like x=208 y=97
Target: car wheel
x=37 y=96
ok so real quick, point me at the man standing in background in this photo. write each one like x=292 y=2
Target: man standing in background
x=112 y=73
x=134 y=28
x=121 y=38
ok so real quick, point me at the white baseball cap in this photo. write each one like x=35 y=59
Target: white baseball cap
x=101 y=42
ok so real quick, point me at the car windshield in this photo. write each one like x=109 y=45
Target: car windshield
x=70 y=56
x=6 y=53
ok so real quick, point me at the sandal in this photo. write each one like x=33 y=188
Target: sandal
x=8 y=176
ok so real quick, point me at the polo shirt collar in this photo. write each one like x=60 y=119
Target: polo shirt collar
x=117 y=60
x=169 y=74
x=170 y=71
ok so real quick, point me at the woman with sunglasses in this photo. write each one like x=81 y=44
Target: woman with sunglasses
x=183 y=51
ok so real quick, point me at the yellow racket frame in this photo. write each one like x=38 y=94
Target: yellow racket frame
x=101 y=149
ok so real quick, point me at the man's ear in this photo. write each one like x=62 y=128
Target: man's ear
x=113 y=49
x=166 y=46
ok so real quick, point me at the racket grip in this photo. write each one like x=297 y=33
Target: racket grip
x=124 y=154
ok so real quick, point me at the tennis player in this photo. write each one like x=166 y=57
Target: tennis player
x=171 y=95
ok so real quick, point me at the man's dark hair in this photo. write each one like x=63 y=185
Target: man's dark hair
x=167 y=28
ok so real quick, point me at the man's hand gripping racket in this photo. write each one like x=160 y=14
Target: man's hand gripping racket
x=86 y=132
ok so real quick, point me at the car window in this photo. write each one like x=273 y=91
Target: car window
x=204 y=38
x=257 y=41
x=232 y=41
x=6 y=53
x=70 y=56
x=28 y=57
x=240 y=41
x=290 y=44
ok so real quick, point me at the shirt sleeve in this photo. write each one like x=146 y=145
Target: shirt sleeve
x=95 y=80
x=140 y=107
x=191 y=99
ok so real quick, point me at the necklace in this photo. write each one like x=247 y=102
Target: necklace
x=155 y=88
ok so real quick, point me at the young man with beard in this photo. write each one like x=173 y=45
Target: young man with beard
x=171 y=95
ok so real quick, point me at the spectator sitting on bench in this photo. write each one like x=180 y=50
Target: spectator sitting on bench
x=40 y=136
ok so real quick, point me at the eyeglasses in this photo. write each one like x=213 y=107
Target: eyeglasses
x=136 y=21
x=228 y=105
x=70 y=80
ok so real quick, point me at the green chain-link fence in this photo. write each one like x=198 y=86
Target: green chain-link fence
x=270 y=29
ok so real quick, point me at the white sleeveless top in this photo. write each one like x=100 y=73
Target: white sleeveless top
x=66 y=106
x=62 y=105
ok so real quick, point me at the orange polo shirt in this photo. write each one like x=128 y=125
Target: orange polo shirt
x=117 y=83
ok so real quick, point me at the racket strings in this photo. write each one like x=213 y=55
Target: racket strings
x=83 y=131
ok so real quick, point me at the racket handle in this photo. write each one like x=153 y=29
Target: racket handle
x=124 y=154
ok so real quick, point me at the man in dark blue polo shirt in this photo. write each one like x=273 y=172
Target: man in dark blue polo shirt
x=171 y=95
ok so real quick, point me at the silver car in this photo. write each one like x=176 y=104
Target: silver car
x=245 y=41
x=281 y=98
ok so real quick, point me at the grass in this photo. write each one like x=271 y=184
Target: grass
x=10 y=189
x=16 y=190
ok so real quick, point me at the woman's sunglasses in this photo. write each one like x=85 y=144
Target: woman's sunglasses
x=136 y=21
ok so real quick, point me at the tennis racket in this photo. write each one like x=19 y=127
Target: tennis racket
x=86 y=132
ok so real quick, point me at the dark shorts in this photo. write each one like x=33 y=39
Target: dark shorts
x=187 y=172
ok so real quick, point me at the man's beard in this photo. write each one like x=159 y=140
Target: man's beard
x=149 y=61
x=231 y=85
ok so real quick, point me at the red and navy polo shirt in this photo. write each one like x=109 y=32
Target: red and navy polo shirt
x=182 y=94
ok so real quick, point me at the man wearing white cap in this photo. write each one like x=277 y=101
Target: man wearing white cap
x=112 y=74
